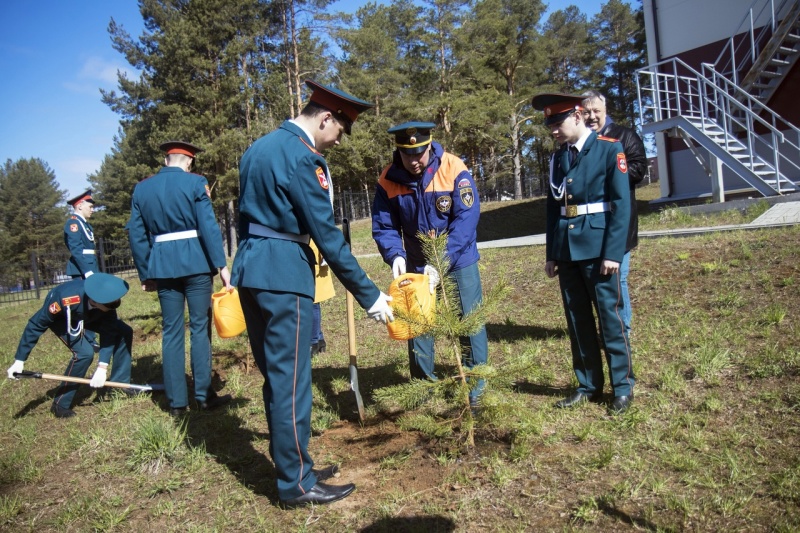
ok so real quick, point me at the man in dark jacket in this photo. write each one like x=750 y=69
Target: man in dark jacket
x=597 y=119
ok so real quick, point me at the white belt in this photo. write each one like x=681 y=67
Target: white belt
x=88 y=252
x=263 y=231
x=176 y=236
x=584 y=209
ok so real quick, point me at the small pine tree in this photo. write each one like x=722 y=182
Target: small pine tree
x=446 y=327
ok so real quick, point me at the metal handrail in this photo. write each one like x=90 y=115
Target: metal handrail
x=752 y=45
x=677 y=89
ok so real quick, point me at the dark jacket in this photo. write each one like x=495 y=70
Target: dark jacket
x=636 y=156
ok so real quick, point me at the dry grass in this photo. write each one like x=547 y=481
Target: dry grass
x=710 y=444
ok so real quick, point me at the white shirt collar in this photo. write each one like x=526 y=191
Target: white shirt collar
x=582 y=140
x=308 y=133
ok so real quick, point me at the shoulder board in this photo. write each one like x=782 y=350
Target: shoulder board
x=608 y=139
x=73 y=217
x=71 y=300
x=308 y=145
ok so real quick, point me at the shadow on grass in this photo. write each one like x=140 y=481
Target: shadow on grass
x=534 y=389
x=413 y=524
x=625 y=518
x=224 y=436
x=515 y=332
x=517 y=219
x=369 y=379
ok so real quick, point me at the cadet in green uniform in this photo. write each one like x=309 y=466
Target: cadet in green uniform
x=177 y=248
x=284 y=198
x=70 y=310
x=588 y=212
x=79 y=238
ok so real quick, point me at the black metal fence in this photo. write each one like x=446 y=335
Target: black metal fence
x=20 y=281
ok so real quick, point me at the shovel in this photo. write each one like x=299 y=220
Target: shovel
x=351 y=336
x=71 y=379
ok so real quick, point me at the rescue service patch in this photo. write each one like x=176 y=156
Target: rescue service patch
x=70 y=300
x=73 y=228
x=467 y=198
x=443 y=204
x=464 y=182
x=323 y=179
x=208 y=190
x=622 y=163
x=54 y=308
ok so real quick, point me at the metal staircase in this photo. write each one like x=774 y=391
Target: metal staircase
x=758 y=59
x=721 y=121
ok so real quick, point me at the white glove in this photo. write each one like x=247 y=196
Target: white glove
x=381 y=311
x=99 y=377
x=398 y=266
x=18 y=366
x=433 y=274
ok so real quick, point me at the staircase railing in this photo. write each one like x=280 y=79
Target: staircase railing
x=750 y=37
x=672 y=88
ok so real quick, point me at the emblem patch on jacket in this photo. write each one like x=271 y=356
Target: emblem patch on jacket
x=467 y=198
x=463 y=182
x=70 y=300
x=622 y=163
x=54 y=308
x=443 y=204
x=323 y=179
x=73 y=228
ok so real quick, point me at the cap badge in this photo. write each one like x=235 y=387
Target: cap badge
x=412 y=140
x=411 y=131
x=547 y=111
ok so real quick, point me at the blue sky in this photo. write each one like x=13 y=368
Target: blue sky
x=55 y=56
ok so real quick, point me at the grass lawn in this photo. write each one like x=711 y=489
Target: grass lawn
x=710 y=444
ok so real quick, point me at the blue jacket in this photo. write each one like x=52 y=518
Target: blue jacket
x=599 y=174
x=78 y=236
x=443 y=199
x=168 y=202
x=53 y=316
x=283 y=186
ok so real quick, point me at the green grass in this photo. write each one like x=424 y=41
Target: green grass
x=710 y=444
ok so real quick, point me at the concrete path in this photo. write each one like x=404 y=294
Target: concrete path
x=782 y=214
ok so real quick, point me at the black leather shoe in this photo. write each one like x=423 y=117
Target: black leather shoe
x=326 y=473
x=61 y=412
x=620 y=404
x=578 y=398
x=320 y=494
x=177 y=412
x=214 y=402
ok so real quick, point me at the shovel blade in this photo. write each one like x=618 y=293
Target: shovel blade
x=354 y=387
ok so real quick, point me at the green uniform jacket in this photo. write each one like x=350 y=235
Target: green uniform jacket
x=79 y=238
x=53 y=316
x=169 y=202
x=599 y=174
x=284 y=187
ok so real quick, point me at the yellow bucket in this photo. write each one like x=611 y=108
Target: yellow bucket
x=228 y=315
x=411 y=295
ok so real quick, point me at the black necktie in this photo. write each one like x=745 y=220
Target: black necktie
x=573 y=155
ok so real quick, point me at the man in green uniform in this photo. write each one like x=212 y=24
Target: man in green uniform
x=79 y=237
x=70 y=310
x=588 y=212
x=177 y=248
x=284 y=199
